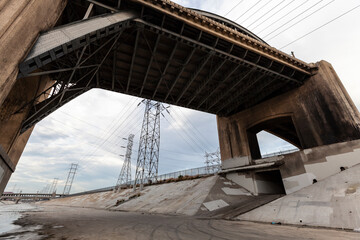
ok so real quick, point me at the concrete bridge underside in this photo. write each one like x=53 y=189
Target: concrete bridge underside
x=159 y=50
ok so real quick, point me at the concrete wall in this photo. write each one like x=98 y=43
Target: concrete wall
x=321 y=113
x=20 y=24
x=299 y=169
x=331 y=202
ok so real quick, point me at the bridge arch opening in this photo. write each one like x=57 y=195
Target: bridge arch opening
x=277 y=132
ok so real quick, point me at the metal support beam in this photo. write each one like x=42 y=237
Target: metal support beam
x=103 y=5
x=220 y=53
x=73 y=72
x=50 y=104
x=132 y=60
x=181 y=71
x=88 y=11
x=165 y=69
x=239 y=93
x=59 y=70
x=226 y=77
x=153 y=51
x=194 y=75
x=234 y=84
x=114 y=69
x=270 y=87
x=207 y=80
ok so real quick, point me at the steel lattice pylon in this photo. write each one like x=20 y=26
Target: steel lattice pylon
x=53 y=186
x=212 y=162
x=148 y=154
x=70 y=178
x=125 y=173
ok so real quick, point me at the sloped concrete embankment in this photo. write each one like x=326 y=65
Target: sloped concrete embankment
x=183 y=198
x=213 y=196
x=332 y=202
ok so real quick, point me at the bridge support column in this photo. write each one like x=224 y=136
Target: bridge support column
x=318 y=113
x=21 y=21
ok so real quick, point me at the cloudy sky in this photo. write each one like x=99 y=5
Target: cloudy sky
x=90 y=130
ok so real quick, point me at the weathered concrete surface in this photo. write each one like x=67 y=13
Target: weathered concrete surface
x=318 y=113
x=82 y=223
x=198 y=197
x=20 y=23
x=318 y=164
x=298 y=170
x=333 y=202
x=183 y=198
x=11 y=119
x=227 y=199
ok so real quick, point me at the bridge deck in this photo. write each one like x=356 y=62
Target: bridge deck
x=159 y=53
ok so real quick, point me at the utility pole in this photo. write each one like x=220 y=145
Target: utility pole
x=53 y=186
x=125 y=173
x=148 y=154
x=212 y=162
x=70 y=178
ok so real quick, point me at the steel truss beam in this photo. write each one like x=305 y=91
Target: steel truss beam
x=194 y=75
x=132 y=60
x=235 y=83
x=237 y=94
x=217 y=52
x=104 y=5
x=184 y=65
x=163 y=74
x=207 y=80
x=209 y=50
x=226 y=77
x=151 y=60
x=69 y=89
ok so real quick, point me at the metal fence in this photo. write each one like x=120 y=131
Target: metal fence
x=201 y=171
x=280 y=153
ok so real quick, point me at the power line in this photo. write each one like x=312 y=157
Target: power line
x=293 y=18
x=320 y=26
x=92 y=144
x=191 y=146
x=265 y=14
x=72 y=116
x=298 y=6
x=200 y=136
x=248 y=10
x=197 y=139
x=256 y=11
x=80 y=130
x=233 y=8
x=190 y=137
x=106 y=139
x=301 y=20
x=273 y=14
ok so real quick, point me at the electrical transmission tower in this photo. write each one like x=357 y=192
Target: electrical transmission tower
x=46 y=188
x=148 y=154
x=125 y=174
x=53 y=186
x=212 y=162
x=70 y=178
